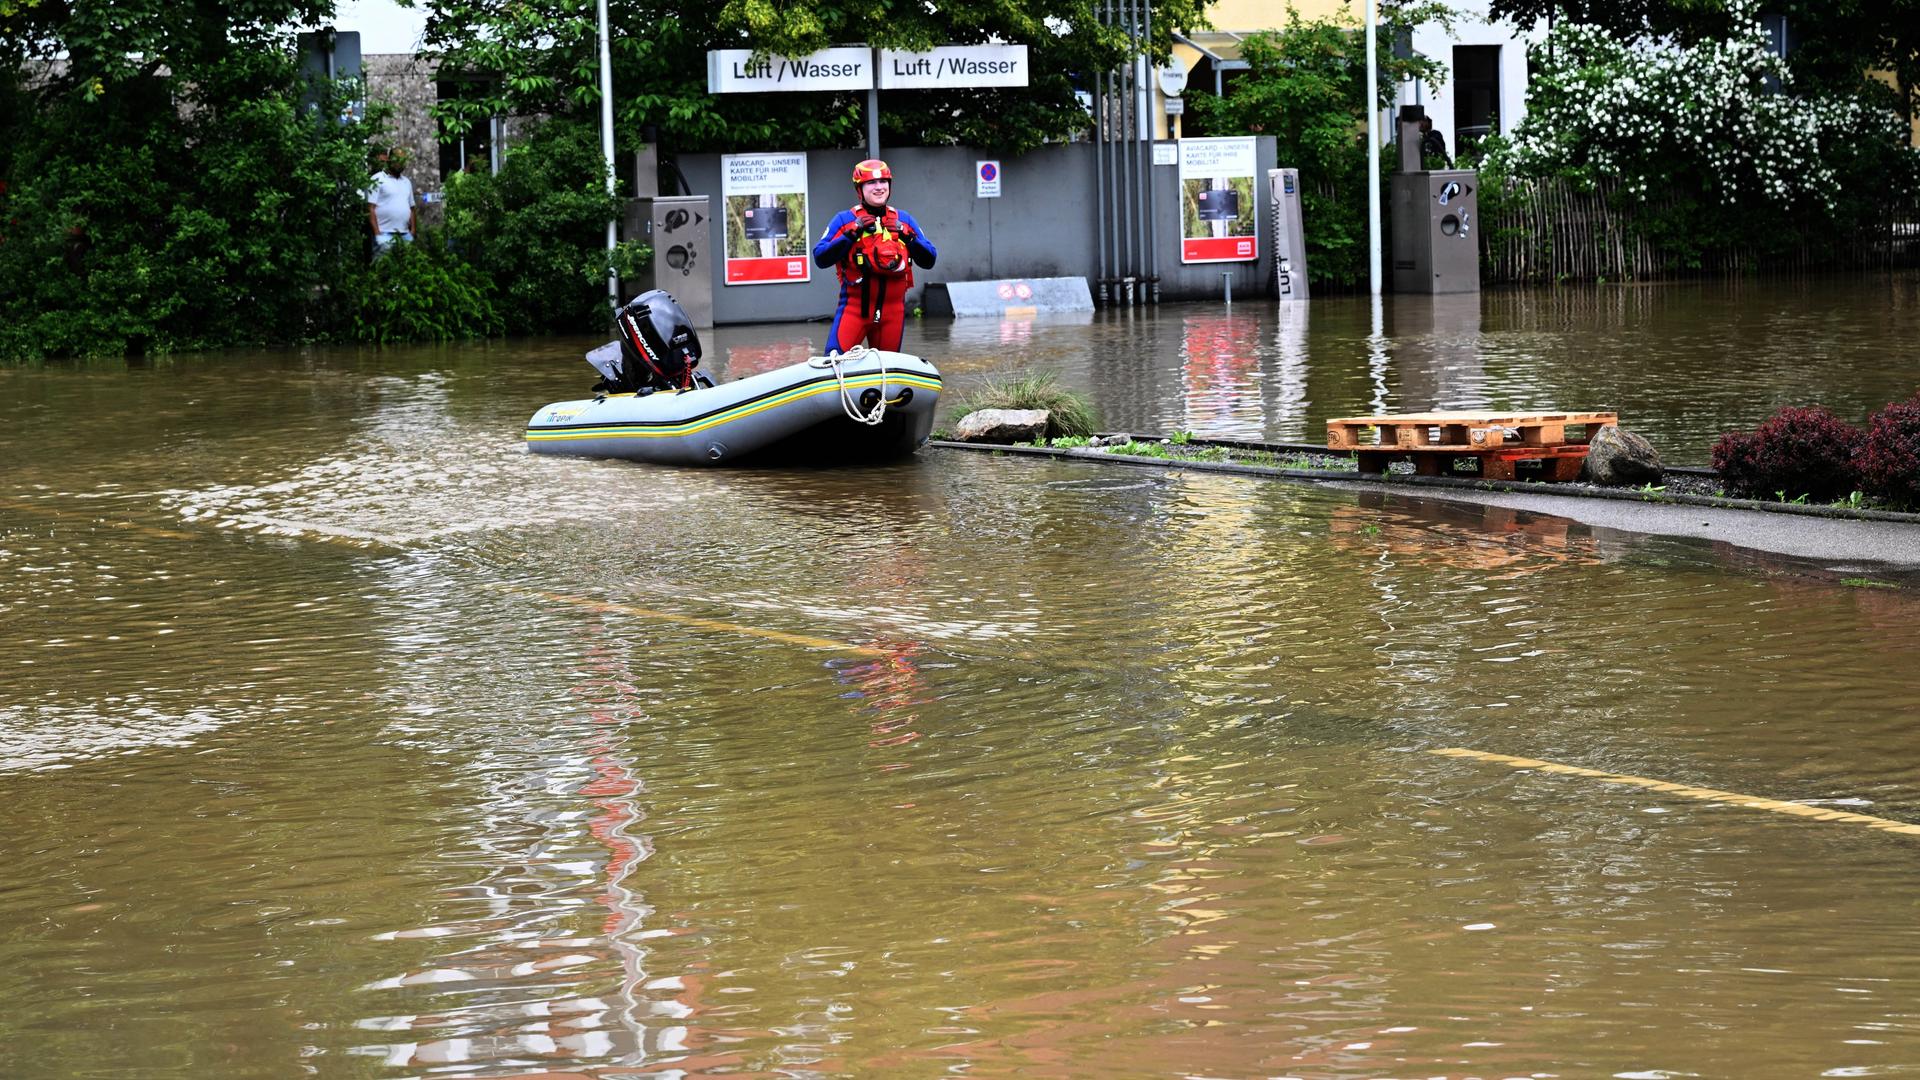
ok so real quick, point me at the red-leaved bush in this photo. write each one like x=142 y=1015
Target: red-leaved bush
x=1796 y=452
x=1888 y=460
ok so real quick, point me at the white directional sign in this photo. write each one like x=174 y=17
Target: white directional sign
x=1173 y=80
x=952 y=66
x=734 y=71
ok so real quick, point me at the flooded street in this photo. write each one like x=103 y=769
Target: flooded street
x=339 y=736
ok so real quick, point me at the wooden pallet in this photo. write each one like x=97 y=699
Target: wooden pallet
x=1463 y=432
x=1498 y=441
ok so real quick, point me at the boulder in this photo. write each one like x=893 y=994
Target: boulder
x=1617 y=458
x=1003 y=426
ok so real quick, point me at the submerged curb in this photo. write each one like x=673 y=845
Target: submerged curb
x=1399 y=480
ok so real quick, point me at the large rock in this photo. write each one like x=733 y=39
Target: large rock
x=1617 y=458
x=1003 y=426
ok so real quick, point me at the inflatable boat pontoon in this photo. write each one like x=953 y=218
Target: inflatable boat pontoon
x=864 y=405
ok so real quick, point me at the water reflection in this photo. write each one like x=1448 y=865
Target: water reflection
x=1437 y=360
x=1682 y=363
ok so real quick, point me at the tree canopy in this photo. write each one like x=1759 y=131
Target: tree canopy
x=162 y=188
x=541 y=56
x=1833 y=44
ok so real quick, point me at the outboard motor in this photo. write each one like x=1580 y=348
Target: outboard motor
x=658 y=349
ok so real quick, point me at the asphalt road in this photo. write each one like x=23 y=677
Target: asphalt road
x=1828 y=540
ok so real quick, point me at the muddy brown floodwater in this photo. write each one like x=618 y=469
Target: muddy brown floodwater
x=341 y=737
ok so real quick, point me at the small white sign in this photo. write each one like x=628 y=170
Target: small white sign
x=986 y=179
x=1166 y=153
x=1176 y=106
x=734 y=71
x=1173 y=80
x=950 y=66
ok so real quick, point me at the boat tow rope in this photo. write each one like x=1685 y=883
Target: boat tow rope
x=857 y=353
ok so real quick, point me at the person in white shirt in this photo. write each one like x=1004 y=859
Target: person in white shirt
x=390 y=204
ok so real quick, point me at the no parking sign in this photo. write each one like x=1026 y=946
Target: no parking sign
x=986 y=179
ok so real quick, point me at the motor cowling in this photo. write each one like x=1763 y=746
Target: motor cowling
x=658 y=348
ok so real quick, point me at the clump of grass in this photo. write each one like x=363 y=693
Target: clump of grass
x=1070 y=414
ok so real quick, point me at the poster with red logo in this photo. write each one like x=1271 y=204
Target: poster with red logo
x=766 y=206
x=1219 y=220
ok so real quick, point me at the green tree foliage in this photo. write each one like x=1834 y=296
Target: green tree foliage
x=1306 y=85
x=543 y=56
x=538 y=229
x=1833 y=42
x=163 y=190
x=1693 y=134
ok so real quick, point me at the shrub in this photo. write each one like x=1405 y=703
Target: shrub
x=1888 y=460
x=1796 y=453
x=1695 y=132
x=168 y=212
x=420 y=292
x=1070 y=414
x=538 y=230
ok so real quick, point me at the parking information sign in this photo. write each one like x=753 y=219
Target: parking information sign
x=986 y=179
x=765 y=196
x=1219 y=221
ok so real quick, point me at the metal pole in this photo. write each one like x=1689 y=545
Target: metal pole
x=606 y=148
x=1100 y=177
x=1143 y=159
x=1120 y=164
x=873 y=112
x=1373 y=151
x=1152 y=216
x=1124 y=197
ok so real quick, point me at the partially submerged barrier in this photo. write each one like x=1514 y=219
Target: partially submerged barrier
x=1171 y=457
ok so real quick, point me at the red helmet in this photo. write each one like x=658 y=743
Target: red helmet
x=871 y=169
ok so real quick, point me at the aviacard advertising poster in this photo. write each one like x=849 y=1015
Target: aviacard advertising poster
x=1219 y=219
x=766 y=200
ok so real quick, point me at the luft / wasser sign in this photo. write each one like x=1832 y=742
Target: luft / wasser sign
x=855 y=67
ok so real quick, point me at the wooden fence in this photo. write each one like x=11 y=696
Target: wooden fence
x=1547 y=230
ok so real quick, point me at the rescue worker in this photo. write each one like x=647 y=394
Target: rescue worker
x=873 y=248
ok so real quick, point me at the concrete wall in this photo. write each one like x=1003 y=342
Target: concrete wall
x=1042 y=225
x=405 y=81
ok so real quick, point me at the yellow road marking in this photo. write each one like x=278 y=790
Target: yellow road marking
x=1752 y=802
x=782 y=636
x=358 y=538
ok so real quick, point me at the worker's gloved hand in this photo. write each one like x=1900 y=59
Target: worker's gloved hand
x=865 y=224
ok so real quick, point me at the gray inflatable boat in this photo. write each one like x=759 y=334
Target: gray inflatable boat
x=653 y=404
x=866 y=405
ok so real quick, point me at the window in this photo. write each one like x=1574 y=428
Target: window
x=478 y=149
x=1476 y=102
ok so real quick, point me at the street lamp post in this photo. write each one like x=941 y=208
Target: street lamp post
x=1373 y=151
x=606 y=148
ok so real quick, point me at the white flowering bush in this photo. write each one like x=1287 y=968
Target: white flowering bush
x=1696 y=128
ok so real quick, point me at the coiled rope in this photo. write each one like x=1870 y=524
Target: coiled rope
x=847 y=403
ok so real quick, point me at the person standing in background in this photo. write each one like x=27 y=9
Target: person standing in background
x=390 y=203
x=1433 y=144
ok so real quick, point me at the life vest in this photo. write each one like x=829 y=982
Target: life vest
x=877 y=261
x=882 y=254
